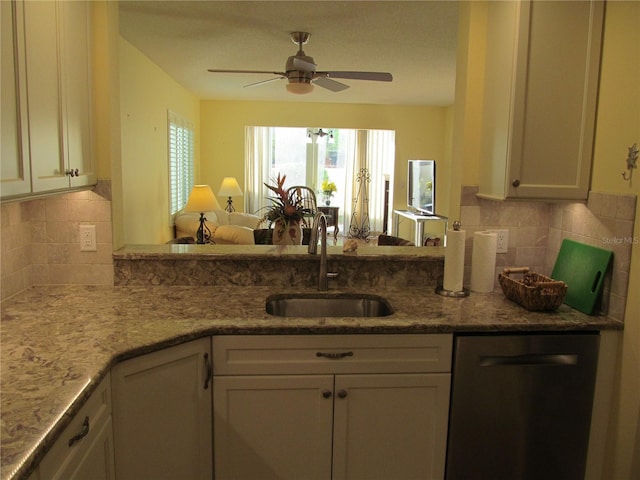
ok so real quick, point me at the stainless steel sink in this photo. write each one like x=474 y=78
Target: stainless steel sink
x=328 y=305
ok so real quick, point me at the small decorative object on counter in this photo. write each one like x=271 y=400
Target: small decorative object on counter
x=534 y=291
x=350 y=246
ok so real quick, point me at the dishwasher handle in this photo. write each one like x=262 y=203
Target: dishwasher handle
x=532 y=359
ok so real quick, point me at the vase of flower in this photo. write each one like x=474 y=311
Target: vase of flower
x=328 y=188
x=286 y=213
x=287 y=232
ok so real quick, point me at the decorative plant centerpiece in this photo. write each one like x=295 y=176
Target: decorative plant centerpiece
x=286 y=213
x=328 y=188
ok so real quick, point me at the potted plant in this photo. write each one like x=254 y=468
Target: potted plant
x=286 y=213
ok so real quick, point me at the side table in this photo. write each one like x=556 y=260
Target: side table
x=332 y=214
x=419 y=220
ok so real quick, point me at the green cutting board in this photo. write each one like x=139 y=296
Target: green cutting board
x=582 y=267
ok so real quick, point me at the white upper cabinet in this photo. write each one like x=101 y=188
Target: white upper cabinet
x=53 y=104
x=540 y=95
x=16 y=174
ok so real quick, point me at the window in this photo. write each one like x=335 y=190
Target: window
x=181 y=142
x=308 y=158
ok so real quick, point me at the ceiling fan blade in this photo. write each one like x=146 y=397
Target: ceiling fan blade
x=263 y=82
x=303 y=65
x=377 y=76
x=282 y=74
x=330 y=84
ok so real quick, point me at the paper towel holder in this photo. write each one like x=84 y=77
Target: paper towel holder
x=450 y=293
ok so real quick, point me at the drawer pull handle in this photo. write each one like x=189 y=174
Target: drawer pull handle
x=83 y=433
x=334 y=356
x=208 y=367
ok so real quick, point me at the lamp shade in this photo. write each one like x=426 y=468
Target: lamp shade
x=202 y=199
x=230 y=188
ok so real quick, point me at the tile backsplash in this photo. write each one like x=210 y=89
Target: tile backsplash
x=40 y=243
x=536 y=230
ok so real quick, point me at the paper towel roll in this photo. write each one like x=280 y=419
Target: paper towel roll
x=454 y=261
x=483 y=261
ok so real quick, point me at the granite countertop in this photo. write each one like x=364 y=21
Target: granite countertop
x=58 y=343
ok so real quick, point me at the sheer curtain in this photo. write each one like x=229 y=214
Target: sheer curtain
x=257 y=152
x=381 y=154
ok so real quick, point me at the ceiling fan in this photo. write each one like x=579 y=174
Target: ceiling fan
x=301 y=73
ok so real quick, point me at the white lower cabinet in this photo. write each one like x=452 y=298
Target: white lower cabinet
x=390 y=426
x=85 y=449
x=272 y=427
x=162 y=414
x=331 y=407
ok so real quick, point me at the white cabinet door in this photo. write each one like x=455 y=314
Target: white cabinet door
x=273 y=427
x=541 y=86
x=162 y=414
x=43 y=56
x=390 y=426
x=15 y=174
x=85 y=448
x=76 y=55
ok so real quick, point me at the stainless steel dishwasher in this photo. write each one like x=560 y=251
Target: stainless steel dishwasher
x=521 y=406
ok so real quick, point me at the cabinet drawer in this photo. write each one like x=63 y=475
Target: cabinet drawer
x=290 y=354
x=63 y=456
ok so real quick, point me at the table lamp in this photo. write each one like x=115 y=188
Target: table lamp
x=230 y=188
x=202 y=199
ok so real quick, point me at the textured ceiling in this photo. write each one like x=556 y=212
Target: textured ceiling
x=413 y=40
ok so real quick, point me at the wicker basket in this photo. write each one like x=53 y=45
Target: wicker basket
x=534 y=291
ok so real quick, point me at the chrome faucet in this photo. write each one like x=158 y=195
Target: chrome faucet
x=320 y=222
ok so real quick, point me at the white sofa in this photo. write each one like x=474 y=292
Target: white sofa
x=226 y=228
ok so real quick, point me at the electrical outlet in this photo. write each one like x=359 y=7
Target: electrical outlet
x=88 y=238
x=502 y=244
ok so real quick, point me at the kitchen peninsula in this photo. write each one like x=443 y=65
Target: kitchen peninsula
x=59 y=342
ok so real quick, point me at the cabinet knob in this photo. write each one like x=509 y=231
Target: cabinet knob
x=73 y=172
x=342 y=393
x=515 y=182
x=326 y=393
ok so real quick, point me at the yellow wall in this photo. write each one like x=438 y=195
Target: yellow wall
x=421 y=133
x=618 y=127
x=467 y=118
x=146 y=95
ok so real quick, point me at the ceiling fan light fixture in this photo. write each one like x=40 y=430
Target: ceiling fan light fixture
x=299 y=88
